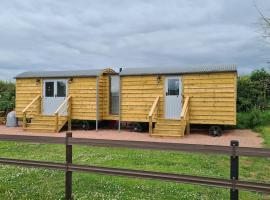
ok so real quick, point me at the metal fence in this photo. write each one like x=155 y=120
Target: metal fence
x=234 y=151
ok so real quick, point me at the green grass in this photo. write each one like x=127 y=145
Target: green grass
x=25 y=183
x=265 y=132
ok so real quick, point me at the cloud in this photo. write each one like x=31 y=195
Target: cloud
x=62 y=35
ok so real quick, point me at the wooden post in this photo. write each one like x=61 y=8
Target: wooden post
x=150 y=125
x=119 y=112
x=97 y=102
x=68 y=184
x=188 y=127
x=234 y=195
x=39 y=106
x=69 y=114
x=24 y=120
x=188 y=124
x=56 y=122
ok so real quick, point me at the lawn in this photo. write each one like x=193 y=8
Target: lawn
x=27 y=183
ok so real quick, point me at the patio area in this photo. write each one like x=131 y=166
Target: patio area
x=246 y=138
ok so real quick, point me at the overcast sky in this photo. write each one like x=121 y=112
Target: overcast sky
x=85 y=34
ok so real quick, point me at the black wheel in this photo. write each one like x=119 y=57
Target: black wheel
x=139 y=127
x=215 y=131
x=85 y=125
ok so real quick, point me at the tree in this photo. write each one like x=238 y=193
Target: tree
x=253 y=91
x=265 y=22
x=7 y=96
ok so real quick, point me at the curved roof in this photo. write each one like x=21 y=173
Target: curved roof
x=64 y=74
x=177 y=70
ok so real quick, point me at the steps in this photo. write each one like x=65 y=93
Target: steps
x=45 y=123
x=169 y=128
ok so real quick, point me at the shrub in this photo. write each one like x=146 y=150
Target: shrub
x=253 y=119
x=253 y=91
x=7 y=96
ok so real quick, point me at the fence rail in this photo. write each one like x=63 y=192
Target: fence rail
x=196 y=148
x=234 y=151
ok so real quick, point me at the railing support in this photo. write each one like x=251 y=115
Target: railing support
x=56 y=122
x=38 y=109
x=234 y=172
x=68 y=184
x=69 y=114
x=24 y=120
x=185 y=116
x=150 y=125
x=151 y=113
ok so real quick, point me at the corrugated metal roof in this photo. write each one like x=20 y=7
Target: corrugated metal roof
x=60 y=74
x=178 y=70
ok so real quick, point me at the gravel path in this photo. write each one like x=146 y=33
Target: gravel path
x=246 y=138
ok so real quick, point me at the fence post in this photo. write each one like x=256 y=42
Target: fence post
x=68 y=185
x=234 y=195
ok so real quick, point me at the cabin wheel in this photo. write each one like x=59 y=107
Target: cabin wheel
x=215 y=131
x=85 y=125
x=139 y=127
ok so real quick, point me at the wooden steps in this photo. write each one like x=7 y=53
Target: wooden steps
x=169 y=128
x=45 y=123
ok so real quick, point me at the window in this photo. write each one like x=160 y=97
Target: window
x=173 y=87
x=49 y=89
x=61 y=89
x=114 y=95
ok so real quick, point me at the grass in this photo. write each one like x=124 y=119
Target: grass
x=265 y=132
x=25 y=183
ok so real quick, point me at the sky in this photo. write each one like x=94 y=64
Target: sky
x=90 y=34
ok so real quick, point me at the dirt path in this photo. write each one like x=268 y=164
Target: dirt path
x=246 y=138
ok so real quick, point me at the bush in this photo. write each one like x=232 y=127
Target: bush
x=253 y=91
x=7 y=96
x=253 y=119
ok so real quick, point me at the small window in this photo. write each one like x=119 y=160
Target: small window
x=173 y=87
x=49 y=89
x=114 y=95
x=61 y=89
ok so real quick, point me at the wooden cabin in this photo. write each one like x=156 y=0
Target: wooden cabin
x=174 y=98
x=47 y=100
x=167 y=99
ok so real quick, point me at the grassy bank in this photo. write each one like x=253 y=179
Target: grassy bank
x=24 y=183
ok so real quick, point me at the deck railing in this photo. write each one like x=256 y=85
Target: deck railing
x=65 y=109
x=185 y=115
x=34 y=105
x=154 y=109
x=234 y=151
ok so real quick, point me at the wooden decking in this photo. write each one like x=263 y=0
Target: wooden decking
x=34 y=121
x=169 y=128
x=45 y=123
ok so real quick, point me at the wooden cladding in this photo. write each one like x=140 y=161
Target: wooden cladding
x=212 y=97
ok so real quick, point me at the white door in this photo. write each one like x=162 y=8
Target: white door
x=173 y=97
x=54 y=94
